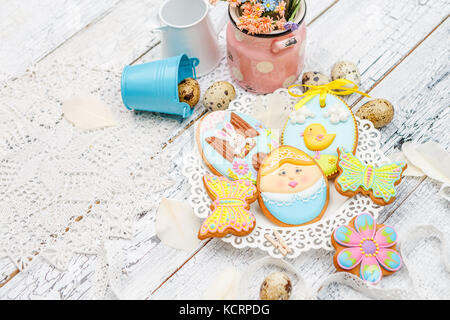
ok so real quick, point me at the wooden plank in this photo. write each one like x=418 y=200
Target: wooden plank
x=422 y=114
x=375 y=36
x=29 y=30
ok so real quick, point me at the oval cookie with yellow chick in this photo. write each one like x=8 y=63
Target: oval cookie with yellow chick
x=293 y=190
x=319 y=131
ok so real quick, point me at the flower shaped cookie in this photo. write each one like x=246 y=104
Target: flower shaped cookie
x=366 y=249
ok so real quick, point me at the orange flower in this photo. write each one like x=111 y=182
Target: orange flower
x=258 y=9
x=234 y=3
x=247 y=8
x=280 y=23
x=266 y=25
x=281 y=8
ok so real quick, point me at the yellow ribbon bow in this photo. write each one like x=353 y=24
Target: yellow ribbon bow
x=336 y=87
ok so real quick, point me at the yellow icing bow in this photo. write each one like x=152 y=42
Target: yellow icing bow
x=337 y=87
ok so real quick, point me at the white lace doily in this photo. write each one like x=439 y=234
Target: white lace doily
x=299 y=239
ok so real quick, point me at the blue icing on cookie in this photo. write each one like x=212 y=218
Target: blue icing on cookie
x=301 y=209
x=293 y=189
x=328 y=128
x=232 y=142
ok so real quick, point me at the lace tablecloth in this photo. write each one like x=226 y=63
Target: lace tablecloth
x=65 y=190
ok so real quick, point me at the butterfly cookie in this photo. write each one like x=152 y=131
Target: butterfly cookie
x=231 y=202
x=377 y=182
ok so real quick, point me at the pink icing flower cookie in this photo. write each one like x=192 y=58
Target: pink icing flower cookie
x=231 y=202
x=366 y=249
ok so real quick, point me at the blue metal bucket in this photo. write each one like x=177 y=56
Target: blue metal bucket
x=153 y=86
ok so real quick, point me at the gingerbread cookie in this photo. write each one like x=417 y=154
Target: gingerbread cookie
x=293 y=189
x=378 y=183
x=233 y=144
x=320 y=131
x=231 y=202
x=366 y=249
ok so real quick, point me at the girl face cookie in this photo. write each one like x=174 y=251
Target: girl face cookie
x=320 y=131
x=233 y=144
x=293 y=189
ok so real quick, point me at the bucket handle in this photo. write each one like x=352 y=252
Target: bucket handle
x=194 y=63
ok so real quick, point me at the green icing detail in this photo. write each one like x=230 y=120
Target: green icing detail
x=392 y=260
x=347 y=235
x=232 y=175
x=387 y=235
x=248 y=176
x=346 y=257
x=328 y=163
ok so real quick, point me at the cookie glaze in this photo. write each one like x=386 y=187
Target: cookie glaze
x=231 y=201
x=366 y=249
x=293 y=189
x=320 y=131
x=233 y=144
x=355 y=176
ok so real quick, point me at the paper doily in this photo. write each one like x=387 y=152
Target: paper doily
x=300 y=239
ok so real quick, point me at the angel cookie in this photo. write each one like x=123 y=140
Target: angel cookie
x=233 y=144
x=293 y=189
x=319 y=131
x=231 y=202
x=377 y=182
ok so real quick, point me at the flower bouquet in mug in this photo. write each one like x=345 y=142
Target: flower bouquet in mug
x=266 y=42
x=265 y=16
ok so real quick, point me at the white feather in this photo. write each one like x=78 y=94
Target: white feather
x=412 y=170
x=272 y=110
x=431 y=158
x=88 y=113
x=176 y=225
x=225 y=285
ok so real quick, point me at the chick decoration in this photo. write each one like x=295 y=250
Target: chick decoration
x=317 y=139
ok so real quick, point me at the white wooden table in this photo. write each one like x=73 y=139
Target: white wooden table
x=401 y=47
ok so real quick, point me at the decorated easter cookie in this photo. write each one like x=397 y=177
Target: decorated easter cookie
x=378 y=183
x=233 y=144
x=320 y=131
x=366 y=249
x=231 y=202
x=293 y=189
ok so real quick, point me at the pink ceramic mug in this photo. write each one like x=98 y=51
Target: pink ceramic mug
x=262 y=63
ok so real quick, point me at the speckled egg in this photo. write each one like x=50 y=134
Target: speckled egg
x=346 y=70
x=314 y=79
x=277 y=286
x=379 y=111
x=219 y=96
x=189 y=91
